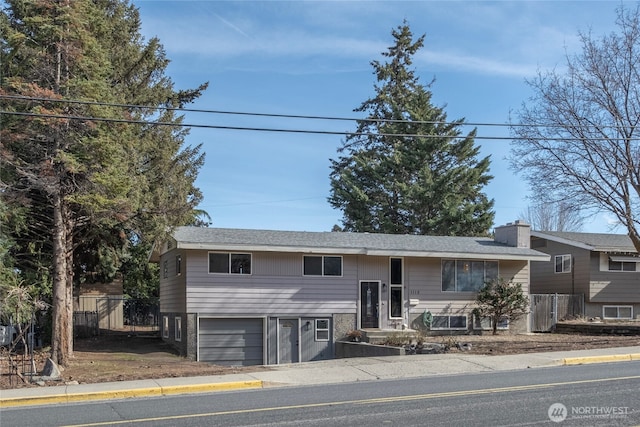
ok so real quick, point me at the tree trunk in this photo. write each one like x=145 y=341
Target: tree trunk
x=60 y=343
x=635 y=238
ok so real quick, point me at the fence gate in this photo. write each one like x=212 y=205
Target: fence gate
x=548 y=309
x=102 y=315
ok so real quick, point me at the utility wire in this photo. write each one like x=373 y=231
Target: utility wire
x=241 y=113
x=280 y=130
x=287 y=116
x=277 y=130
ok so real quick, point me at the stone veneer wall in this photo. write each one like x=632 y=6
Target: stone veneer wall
x=343 y=323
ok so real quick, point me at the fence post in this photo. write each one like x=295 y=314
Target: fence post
x=555 y=311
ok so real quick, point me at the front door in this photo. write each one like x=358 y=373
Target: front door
x=287 y=340
x=369 y=304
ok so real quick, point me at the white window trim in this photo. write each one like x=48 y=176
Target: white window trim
x=555 y=263
x=165 y=269
x=486 y=324
x=178 y=328
x=401 y=270
x=317 y=329
x=165 y=326
x=229 y=273
x=485 y=261
x=178 y=265
x=617 y=307
x=449 y=328
x=323 y=257
x=401 y=287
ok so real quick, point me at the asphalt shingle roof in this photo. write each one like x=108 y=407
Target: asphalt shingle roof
x=602 y=242
x=370 y=243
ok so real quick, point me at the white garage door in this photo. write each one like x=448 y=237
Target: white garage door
x=235 y=342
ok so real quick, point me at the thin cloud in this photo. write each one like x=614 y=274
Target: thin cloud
x=477 y=64
x=233 y=27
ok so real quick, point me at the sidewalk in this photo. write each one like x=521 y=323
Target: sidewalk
x=322 y=372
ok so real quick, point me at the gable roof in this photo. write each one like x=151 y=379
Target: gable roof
x=225 y=239
x=600 y=242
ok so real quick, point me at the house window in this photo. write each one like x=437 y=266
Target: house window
x=563 y=263
x=617 y=312
x=449 y=323
x=467 y=275
x=229 y=263
x=486 y=323
x=178 y=265
x=165 y=269
x=322 y=329
x=395 y=289
x=178 y=328
x=623 y=263
x=395 y=306
x=322 y=265
x=165 y=326
x=396 y=271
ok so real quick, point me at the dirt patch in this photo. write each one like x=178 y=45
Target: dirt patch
x=541 y=342
x=119 y=357
x=124 y=358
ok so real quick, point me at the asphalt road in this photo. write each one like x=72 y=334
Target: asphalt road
x=598 y=394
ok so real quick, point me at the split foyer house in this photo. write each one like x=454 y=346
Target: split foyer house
x=242 y=297
x=604 y=268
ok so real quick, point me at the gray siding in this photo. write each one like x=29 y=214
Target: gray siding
x=586 y=278
x=173 y=287
x=275 y=287
x=544 y=279
x=373 y=268
x=620 y=287
x=424 y=281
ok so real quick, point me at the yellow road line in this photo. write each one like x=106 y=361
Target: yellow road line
x=361 y=401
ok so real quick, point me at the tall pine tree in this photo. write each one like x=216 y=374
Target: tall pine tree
x=407 y=169
x=92 y=187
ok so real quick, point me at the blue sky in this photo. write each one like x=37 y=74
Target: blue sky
x=313 y=58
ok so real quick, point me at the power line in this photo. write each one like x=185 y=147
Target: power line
x=287 y=116
x=242 y=113
x=262 y=129
x=279 y=130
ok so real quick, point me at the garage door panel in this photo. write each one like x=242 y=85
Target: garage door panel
x=231 y=341
x=236 y=341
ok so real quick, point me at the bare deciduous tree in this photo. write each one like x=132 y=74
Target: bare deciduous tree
x=553 y=216
x=578 y=137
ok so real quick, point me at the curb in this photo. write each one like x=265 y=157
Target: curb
x=600 y=359
x=124 y=394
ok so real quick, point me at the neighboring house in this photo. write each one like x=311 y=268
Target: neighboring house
x=605 y=268
x=105 y=299
x=265 y=297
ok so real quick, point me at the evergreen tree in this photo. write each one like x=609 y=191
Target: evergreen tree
x=501 y=300
x=92 y=187
x=406 y=169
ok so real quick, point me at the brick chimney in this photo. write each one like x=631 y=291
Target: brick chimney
x=516 y=234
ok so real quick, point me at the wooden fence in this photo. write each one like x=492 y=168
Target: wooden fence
x=105 y=314
x=548 y=309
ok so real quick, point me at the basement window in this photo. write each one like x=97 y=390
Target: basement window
x=486 y=324
x=448 y=323
x=178 y=329
x=617 y=312
x=322 y=330
x=165 y=326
